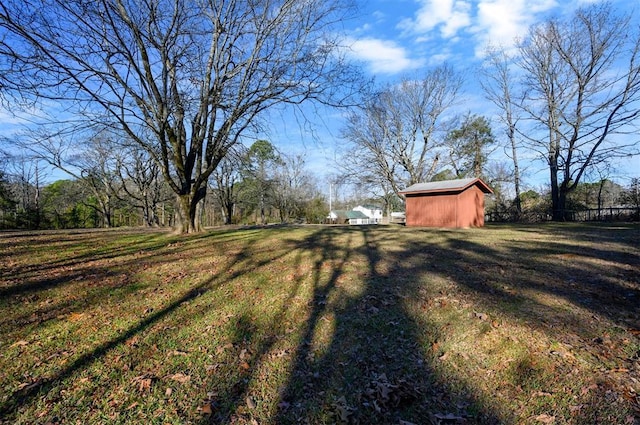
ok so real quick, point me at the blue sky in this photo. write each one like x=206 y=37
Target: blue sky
x=397 y=36
x=393 y=38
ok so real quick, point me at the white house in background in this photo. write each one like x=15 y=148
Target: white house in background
x=373 y=212
x=398 y=217
x=347 y=217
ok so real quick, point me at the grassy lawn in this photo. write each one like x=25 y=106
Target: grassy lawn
x=390 y=325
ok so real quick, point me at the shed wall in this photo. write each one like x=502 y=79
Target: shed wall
x=431 y=210
x=450 y=209
x=471 y=208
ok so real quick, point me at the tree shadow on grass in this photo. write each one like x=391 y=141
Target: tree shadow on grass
x=86 y=277
x=362 y=357
x=626 y=234
x=365 y=356
x=595 y=277
x=251 y=344
x=577 y=287
x=84 y=251
x=26 y=394
x=236 y=264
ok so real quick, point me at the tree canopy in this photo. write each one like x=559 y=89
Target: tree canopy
x=396 y=138
x=581 y=79
x=183 y=80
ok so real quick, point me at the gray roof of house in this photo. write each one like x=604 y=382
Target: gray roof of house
x=356 y=214
x=371 y=207
x=446 y=185
x=350 y=214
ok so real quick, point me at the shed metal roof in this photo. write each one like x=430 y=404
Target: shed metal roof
x=457 y=185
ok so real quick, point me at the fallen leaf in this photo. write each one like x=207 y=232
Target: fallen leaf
x=251 y=403
x=245 y=366
x=541 y=394
x=211 y=368
x=481 y=316
x=279 y=354
x=132 y=342
x=206 y=409
x=23 y=385
x=144 y=382
x=180 y=377
x=585 y=390
x=342 y=409
x=222 y=348
x=28 y=385
x=343 y=413
x=75 y=316
x=168 y=392
x=545 y=419
x=20 y=343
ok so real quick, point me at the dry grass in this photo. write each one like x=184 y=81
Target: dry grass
x=506 y=324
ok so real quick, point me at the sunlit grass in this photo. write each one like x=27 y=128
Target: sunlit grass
x=506 y=324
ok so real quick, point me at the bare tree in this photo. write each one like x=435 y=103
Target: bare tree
x=140 y=183
x=631 y=195
x=499 y=85
x=26 y=178
x=225 y=178
x=91 y=161
x=396 y=137
x=293 y=187
x=194 y=74
x=582 y=78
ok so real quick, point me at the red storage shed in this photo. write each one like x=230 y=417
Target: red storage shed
x=448 y=203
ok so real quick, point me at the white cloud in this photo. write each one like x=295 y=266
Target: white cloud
x=379 y=16
x=11 y=122
x=501 y=22
x=440 y=58
x=496 y=22
x=8 y=118
x=449 y=16
x=382 y=56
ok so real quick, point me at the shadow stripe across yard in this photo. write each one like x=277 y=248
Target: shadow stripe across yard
x=286 y=324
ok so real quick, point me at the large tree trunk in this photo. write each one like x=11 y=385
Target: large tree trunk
x=188 y=212
x=516 y=167
x=563 y=214
x=228 y=213
x=557 y=207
